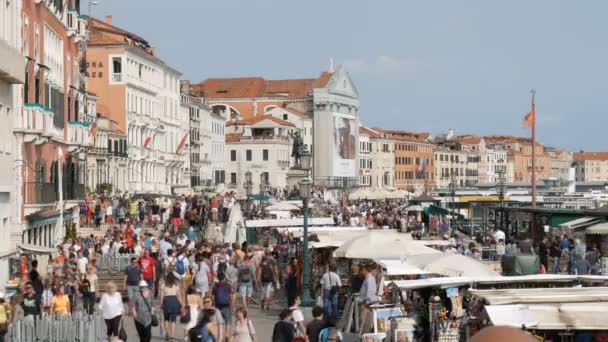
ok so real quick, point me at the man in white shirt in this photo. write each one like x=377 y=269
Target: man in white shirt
x=82 y=263
x=499 y=235
x=330 y=283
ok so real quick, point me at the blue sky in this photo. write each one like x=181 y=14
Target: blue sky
x=425 y=65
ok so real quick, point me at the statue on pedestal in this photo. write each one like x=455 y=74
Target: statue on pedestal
x=297 y=147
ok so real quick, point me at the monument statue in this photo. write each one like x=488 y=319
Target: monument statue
x=297 y=147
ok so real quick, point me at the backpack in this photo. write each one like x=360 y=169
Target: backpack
x=222 y=295
x=180 y=266
x=267 y=275
x=221 y=267
x=244 y=274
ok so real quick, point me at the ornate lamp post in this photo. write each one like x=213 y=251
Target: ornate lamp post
x=248 y=189
x=305 y=190
x=500 y=189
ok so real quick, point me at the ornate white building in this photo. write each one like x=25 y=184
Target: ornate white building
x=141 y=93
x=261 y=146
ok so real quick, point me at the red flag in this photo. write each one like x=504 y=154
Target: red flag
x=147 y=141
x=182 y=143
x=530 y=118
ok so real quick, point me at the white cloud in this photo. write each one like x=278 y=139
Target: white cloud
x=386 y=66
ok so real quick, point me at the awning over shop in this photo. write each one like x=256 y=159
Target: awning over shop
x=543 y=295
x=33 y=249
x=572 y=316
x=600 y=229
x=398 y=268
x=436 y=210
x=582 y=222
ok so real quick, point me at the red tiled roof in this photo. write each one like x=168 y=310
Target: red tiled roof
x=590 y=156
x=233 y=137
x=369 y=132
x=102 y=33
x=255 y=87
x=403 y=135
x=468 y=139
x=259 y=118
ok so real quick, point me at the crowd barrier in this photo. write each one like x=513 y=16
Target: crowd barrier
x=46 y=328
x=114 y=264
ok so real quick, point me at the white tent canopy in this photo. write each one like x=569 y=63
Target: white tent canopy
x=571 y=316
x=381 y=245
x=297 y=222
x=543 y=295
x=282 y=206
x=398 y=267
x=451 y=265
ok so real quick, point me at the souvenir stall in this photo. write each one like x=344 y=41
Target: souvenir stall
x=551 y=314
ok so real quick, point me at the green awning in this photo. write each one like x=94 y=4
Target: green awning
x=259 y=197
x=436 y=210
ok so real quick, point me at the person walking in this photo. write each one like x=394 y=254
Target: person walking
x=224 y=297
x=142 y=310
x=266 y=280
x=243 y=329
x=245 y=279
x=60 y=304
x=148 y=268
x=171 y=299
x=31 y=303
x=195 y=303
x=555 y=254
x=330 y=283
x=284 y=330
x=206 y=330
x=132 y=277
x=291 y=286
x=112 y=310
x=314 y=327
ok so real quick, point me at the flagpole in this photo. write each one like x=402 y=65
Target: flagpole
x=533 y=150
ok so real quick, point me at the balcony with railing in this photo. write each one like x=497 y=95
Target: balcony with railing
x=79 y=135
x=117 y=78
x=48 y=193
x=35 y=122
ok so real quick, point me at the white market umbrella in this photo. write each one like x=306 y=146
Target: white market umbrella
x=282 y=206
x=381 y=245
x=451 y=265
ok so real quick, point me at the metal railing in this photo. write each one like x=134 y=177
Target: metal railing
x=117 y=78
x=78 y=327
x=114 y=264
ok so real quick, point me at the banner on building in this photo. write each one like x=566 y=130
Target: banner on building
x=345 y=146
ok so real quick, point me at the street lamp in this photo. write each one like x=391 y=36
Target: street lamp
x=500 y=189
x=305 y=187
x=453 y=195
x=305 y=190
x=248 y=188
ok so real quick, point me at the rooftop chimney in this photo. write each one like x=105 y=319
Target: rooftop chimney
x=153 y=51
x=108 y=19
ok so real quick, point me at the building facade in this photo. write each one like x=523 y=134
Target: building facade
x=450 y=167
x=12 y=78
x=194 y=108
x=261 y=146
x=52 y=129
x=325 y=109
x=141 y=93
x=382 y=160
x=213 y=153
x=365 y=158
x=107 y=159
x=561 y=162
x=413 y=156
x=591 y=166
x=519 y=158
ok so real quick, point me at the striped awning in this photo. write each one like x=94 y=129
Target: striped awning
x=582 y=222
x=598 y=229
